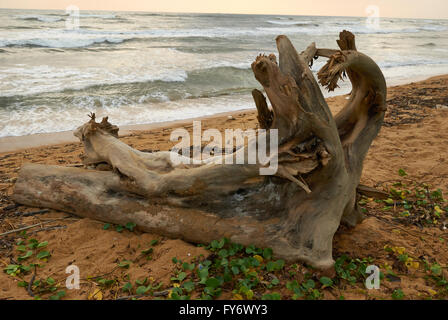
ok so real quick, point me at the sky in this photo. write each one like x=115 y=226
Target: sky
x=430 y=9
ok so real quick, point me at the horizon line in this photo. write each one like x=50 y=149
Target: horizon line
x=224 y=13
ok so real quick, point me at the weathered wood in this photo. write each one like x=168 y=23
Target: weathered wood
x=296 y=212
x=265 y=115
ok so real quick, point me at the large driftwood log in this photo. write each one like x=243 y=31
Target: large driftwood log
x=296 y=212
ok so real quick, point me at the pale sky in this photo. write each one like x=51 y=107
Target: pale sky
x=387 y=8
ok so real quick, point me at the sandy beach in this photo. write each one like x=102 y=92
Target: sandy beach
x=414 y=138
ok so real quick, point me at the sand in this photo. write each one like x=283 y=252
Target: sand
x=414 y=138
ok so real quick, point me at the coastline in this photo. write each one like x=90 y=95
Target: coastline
x=17 y=143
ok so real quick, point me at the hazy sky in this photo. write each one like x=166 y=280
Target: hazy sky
x=388 y=8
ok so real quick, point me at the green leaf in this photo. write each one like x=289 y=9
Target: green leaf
x=309 y=284
x=270 y=266
x=253 y=250
x=42 y=244
x=106 y=226
x=22 y=284
x=212 y=283
x=33 y=243
x=436 y=269
x=326 y=282
x=215 y=244
x=154 y=242
x=189 y=286
x=119 y=228
x=148 y=251
x=141 y=290
x=267 y=253
x=130 y=226
x=291 y=285
x=403 y=257
x=271 y=296
x=127 y=287
x=28 y=254
x=223 y=253
x=181 y=276
x=235 y=270
x=249 y=294
x=51 y=281
x=21 y=248
x=402 y=173
x=203 y=274
x=58 y=295
x=106 y=282
x=227 y=275
x=26 y=268
x=125 y=264
x=398 y=294
x=279 y=264
x=141 y=282
x=188 y=266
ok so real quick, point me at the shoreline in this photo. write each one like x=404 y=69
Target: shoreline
x=18 y=143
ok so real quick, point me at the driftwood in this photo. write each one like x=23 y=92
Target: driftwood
x=296 y=212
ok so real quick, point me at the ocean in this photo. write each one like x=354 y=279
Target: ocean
x=139 y=67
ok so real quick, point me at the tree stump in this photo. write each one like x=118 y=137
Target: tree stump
x=296 y=212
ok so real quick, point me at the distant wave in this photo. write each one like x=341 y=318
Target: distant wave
x=17 y=27
x=53 y=17
x=144 y=14
x=429 y=44
x=60 y=38
x=58 y=43
x=411 y=62
x=433 y=28
x=294 y=23
x=103 y=16
x=41 y=18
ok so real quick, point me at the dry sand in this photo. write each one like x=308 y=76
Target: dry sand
x=414 y=138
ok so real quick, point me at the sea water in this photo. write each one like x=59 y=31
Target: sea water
x=140 y=67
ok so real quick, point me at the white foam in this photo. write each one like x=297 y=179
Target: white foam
x=45 y=119
x=38 y=79
x=294 y=22
x=104 y=16
x=61 y=38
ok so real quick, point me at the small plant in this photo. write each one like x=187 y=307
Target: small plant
x=271 y=296
x=412 y=202
x=124 y=264
x=32 y=251
x=130 y=226
x=398 y=294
